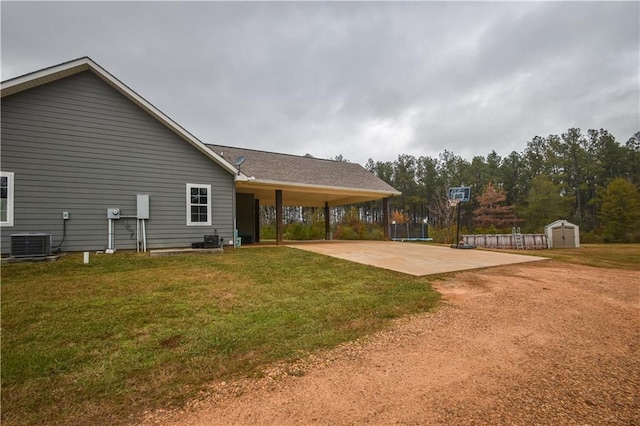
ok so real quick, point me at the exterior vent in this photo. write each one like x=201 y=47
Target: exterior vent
x=30 y=245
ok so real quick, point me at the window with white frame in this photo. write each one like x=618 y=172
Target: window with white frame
x=198 y=205
x=6 y=198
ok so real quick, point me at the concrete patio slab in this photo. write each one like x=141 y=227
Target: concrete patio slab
x=411 y=258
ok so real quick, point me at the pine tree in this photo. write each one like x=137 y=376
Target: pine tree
x=492 y=213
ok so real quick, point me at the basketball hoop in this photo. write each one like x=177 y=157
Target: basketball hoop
x=457 y=195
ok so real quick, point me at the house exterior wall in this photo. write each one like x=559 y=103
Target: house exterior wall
x=79 y=145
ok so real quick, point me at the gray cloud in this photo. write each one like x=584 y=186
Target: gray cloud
x=359 y=79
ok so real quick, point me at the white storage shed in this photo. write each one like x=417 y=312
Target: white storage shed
x=562 y=234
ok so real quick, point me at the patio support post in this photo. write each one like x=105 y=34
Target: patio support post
x=385 y=218
x=327 y=222
x=256 y=218
x=279 y=224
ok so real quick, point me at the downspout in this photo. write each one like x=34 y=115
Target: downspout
x=234 y=204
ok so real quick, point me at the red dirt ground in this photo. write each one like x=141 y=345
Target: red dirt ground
x=536 y=343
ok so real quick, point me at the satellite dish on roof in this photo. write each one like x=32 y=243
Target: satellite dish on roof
x=238 y=162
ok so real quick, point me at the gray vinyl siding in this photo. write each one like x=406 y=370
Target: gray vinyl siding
x=78 y=145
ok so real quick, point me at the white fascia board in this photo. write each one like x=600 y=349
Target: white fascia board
x=43 y=76
x=47 y=75
x=317 y=188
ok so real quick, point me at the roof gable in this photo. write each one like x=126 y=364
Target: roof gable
x=564 y=222
x=57 y=72
x=308 y=181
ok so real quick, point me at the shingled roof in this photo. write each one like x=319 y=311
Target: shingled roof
x=304 y=180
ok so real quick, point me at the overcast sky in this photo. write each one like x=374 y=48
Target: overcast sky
x=361 y=79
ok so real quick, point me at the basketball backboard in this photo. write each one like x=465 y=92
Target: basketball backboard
x=462 y=193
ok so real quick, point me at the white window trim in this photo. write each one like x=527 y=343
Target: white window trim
x=198 y=185
x=10 y=196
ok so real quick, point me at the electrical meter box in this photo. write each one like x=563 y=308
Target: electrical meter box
x=143 y=206
x=113 y=213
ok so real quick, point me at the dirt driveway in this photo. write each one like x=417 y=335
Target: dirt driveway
x=534 y=343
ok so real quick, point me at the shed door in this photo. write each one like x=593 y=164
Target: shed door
x=563 y=236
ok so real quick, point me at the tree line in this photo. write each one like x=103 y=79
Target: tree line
x=589 y=179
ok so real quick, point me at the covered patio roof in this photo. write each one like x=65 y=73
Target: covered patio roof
x=304 y=181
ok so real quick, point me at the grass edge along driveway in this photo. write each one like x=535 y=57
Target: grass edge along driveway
x=86 y=344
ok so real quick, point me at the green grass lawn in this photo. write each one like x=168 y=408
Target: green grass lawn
x=101 y=343
x=617 y=256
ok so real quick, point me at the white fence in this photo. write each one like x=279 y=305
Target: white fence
x=506 y=241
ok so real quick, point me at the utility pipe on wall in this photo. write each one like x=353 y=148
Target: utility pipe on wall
x=144 y=236
x=110 y=249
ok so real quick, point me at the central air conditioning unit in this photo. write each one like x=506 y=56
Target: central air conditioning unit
x=30 y=245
